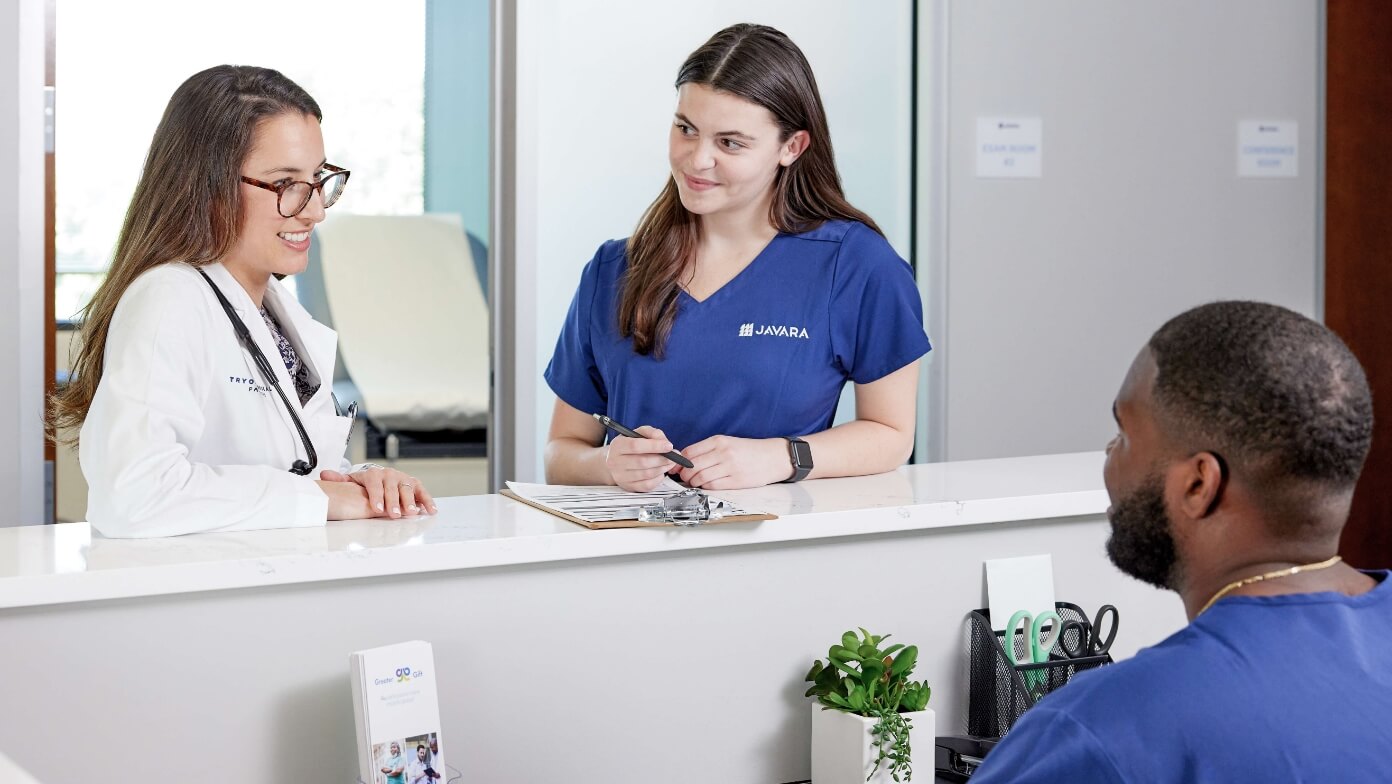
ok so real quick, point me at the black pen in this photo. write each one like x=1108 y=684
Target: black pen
x=623 y=431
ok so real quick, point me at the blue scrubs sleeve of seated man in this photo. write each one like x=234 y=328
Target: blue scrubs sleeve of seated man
x=1048 y=747
x=573 y=374
x=876 y=310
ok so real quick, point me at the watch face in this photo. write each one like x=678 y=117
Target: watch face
x=802 y=454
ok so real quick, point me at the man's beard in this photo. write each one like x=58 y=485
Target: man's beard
x=1141 y=543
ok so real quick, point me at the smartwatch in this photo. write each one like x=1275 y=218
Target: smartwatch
x=800 y=454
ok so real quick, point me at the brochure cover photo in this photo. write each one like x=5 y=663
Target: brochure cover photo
x=414 y=760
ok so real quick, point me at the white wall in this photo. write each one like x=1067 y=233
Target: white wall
x=1040 y=292
x=594 y=99
x=21 y=261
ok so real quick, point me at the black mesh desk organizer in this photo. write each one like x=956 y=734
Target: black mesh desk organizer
x=997 y=693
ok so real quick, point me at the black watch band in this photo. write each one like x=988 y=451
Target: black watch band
x=800 y=455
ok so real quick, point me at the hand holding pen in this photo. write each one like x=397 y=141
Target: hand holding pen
x=639 y=459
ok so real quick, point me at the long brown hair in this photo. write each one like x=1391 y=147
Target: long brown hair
x=187 y=205
x=760 y=65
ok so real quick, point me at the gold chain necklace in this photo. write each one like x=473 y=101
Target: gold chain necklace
x=1287 y=572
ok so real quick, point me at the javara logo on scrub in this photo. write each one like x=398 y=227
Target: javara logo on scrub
x=749 y=330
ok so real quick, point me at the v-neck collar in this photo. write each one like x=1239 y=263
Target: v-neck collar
x=738 y=275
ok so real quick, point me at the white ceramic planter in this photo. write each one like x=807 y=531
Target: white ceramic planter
x=843 y=750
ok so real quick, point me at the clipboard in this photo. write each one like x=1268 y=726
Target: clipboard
x=601 y=519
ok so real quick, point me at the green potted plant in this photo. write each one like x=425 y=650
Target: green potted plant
x=869 y=716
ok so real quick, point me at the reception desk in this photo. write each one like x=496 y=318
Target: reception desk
x=563 y=654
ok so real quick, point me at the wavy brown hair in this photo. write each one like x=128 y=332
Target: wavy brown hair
x=187 y=205
x=762 y=66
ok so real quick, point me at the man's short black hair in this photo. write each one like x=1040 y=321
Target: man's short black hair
x=1278 y=395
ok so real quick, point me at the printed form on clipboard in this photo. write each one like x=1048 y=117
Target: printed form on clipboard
x=669 y=504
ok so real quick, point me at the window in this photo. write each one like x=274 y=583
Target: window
x=364 y=62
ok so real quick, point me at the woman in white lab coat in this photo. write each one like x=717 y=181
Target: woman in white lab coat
x=184 y=428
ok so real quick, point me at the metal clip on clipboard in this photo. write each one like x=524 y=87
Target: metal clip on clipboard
x=688 y=507
x=606 y=506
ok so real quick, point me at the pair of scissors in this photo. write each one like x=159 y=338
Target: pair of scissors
x=1080 y=639
x=1037 y=645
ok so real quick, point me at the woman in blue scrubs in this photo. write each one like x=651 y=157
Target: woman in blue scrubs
x=751 y=291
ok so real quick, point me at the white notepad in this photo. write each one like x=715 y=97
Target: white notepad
x=1014 y=584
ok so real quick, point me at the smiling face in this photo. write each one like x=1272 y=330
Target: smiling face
x=725 y=152
x=287 y=146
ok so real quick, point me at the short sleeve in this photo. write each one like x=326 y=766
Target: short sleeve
x=1048 y=746
x=573 y=373
x=876 y=311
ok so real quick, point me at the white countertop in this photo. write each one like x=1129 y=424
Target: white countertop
x=54 y=564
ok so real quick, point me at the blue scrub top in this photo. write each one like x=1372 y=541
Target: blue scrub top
x=1294 y=687
x=765 y=356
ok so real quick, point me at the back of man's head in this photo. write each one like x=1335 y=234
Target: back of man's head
x=1277 y=395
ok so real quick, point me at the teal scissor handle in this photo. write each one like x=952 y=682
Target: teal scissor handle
x=1037 y=647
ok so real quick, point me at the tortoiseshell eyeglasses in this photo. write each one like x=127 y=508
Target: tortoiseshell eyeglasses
x=295 y=194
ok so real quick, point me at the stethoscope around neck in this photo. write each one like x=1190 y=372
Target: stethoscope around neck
x=299 y=467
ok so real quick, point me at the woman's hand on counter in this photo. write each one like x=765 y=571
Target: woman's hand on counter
x=386 y=492
x=347 y=500
x=730 y=463
x=637 y=464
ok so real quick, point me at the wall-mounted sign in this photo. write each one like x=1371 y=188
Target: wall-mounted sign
x=1268 y=148
x=1009 y=147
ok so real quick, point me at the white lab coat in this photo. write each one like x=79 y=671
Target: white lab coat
x=183 y=434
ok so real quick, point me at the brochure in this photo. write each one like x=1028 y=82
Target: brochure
x=396 y=710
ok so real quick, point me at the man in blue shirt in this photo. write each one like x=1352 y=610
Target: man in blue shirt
x=1241 y=432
